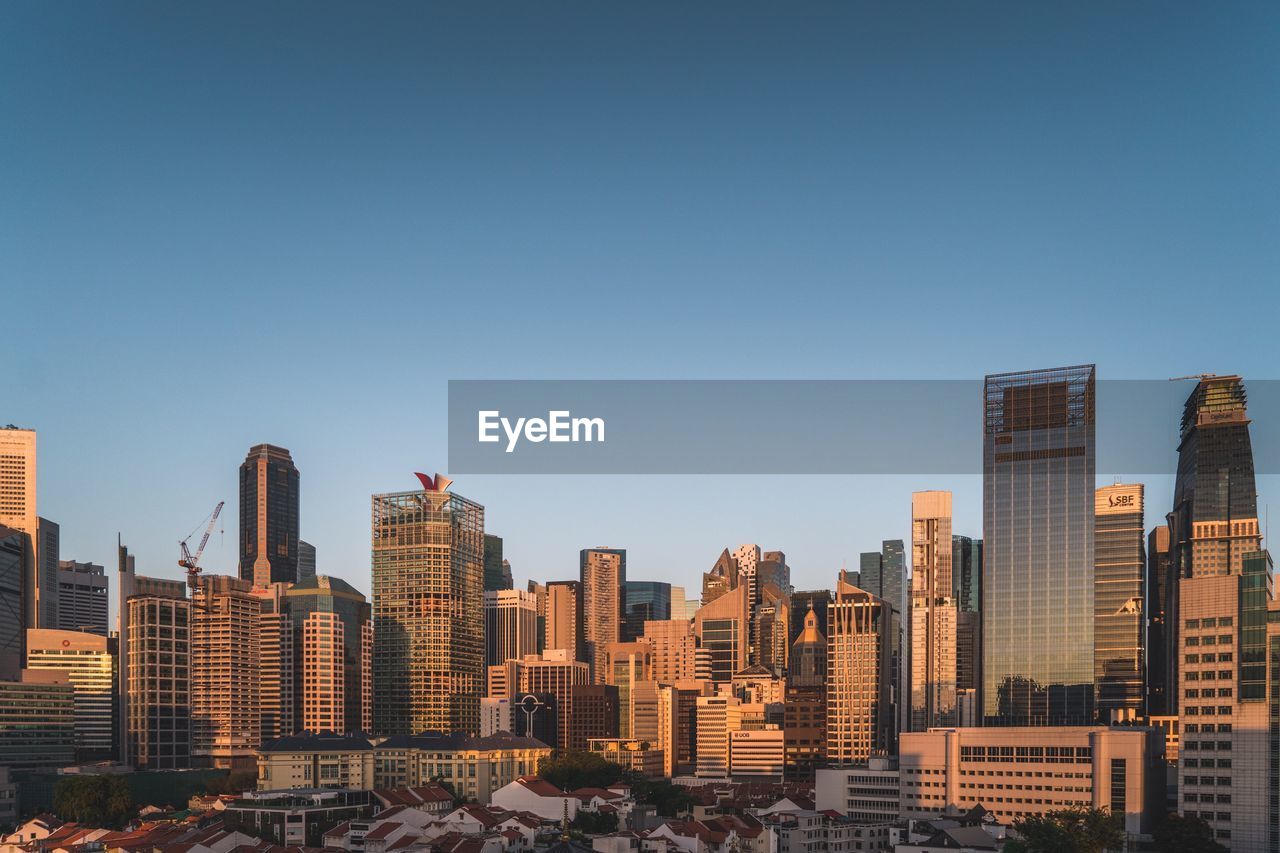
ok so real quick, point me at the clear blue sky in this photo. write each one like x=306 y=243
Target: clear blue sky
x=223 y=224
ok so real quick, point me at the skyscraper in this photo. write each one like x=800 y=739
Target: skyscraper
x=268 y=516
x=770 y=628
x=306 y=560
x=332 y=630
x=966 y=576
x=644 y=601
x=428 y=596
x=1118 y=635
x=158 y=714
x=860 y=712
x=564 y=629
x=48 y=556
x=603 y=573
x=1225 y=590
x=13 y=566
x=1038 y=485
x=933 y=613
x=722 y=577
x=226 y=704
x=496 y=574
x=89 y=663
x=1161 y=610
x=510 y=625
x=18 y=512
x=723 y=632
x=82 y=597
x=674 y=650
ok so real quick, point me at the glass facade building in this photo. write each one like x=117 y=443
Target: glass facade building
x=268 y=516
x=428 y=599
x=1118 y=579
x=1038 y=540
x=644 y=601
x=352 y=614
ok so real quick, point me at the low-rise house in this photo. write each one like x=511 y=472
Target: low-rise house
x=538 y=796
x=433 y=798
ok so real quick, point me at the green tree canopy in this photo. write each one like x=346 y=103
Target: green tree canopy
x=95 y=801
x=1178 y=834
x=569 y=769
x=1083 y=830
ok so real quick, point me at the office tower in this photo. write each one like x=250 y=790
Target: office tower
x=557 y=674
x=278 y=668
x=1038 y=484
x=603 y=573
x=510 y=624
x=564 y=619
x=495 y=715
x=860 y=713
x=82 y=597
x=644 y=711
x=1161 y=609
x=225 y=660
x=596 y=713
x=758 y=686
x=306 y=560
x=804 y=726
x=88 y=660
x=933 y=613
x=13 y=568
x=535 y=715
x=159 y=727
x=625 y=664
x=809 y=655
x=540 y=598
x=268 y=516
x=773 y=569
x=37 y=722
x=722 y=631
x=884 y=573
x=770 y=627
x=18 y=512
x=497 y=572
x=644 y=601
x=722 y=577
x=1118 y=569
x=805 y=600
x=678 y=727
x=717 y=716
x=675 y=650
x=679 y=604
x=332 y=625
x=428 y=597
x=158 y=681
x=48 y=557
x=1225 y=588
x=966 y=584
x=747 y=559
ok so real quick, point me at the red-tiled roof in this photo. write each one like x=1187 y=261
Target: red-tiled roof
x=540 y=786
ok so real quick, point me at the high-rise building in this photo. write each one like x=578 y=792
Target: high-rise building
x=540 y=598
x=1118 y=634
x=717 y=716
x=428 y=594
x=510 y=625
x=89 y=663
x=722 y=577
x=933 y=613
x=770 y=627
x=681 y=606
x=553 y=673
x=48 y=557
x=596 y=713
x=333 y=632
x=306 y=560
x=966 y=577
x=1038 y=485
x=82 y=597
x=625 y=665
x=809 y=655
x=723 y=632
x=37 y=721
x=1161 y=609
x=644 y=601
x=675 y=650
x=160 y=728
x=226 y=710
x=804 y=601
x=678 y=727
x=495 y=715
x=13 y=570
x=18 y=512
x=497 y=572
x=861 y=719
x=1229 y=756
x=268 y=516
x=603 y=573
x=157 y=649
x=563 y=621
x=278 y=668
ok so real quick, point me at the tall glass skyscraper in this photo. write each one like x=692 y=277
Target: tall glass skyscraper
x=428 y=599
x=1118 y=637
x=1038 y=537
x=644 y=601
x=268 y=516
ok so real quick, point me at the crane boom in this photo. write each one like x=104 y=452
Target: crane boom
x=191 y=562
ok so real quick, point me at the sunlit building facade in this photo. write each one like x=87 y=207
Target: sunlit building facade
x=860 y=713
x=89 y=663
x=268 y=516
x=603 y=574
x=933 y=613
x=1038 y=538
x=428 y=596
x=1118 y=626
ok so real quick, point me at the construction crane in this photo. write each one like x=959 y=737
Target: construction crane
x=1199 y=377
x=191 y=562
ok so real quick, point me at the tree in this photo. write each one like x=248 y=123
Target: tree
x=669 y=799
x=233 y=783
x=1178 y=834
x=95 y=801
x=1082 y=830
x=570 y=769
x=593 y=823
